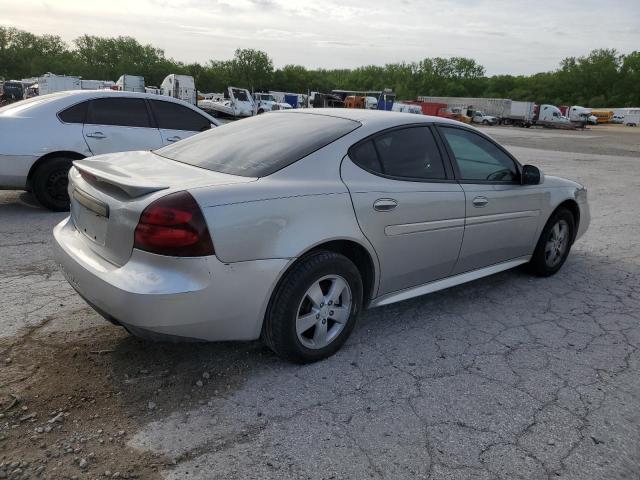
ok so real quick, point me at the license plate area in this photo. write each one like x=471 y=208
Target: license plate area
x=90 y=217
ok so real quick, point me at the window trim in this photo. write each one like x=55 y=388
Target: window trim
x=454 y=162
x=446 y=163
x=90 y=107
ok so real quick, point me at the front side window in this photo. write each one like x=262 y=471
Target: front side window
x=478 y=158
x=125 y=112
x=172 y=116
x=407 y=153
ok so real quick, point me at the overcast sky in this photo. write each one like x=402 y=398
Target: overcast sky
x=518 y=37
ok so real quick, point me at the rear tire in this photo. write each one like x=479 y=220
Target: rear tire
x=314 y=309
x=554 y=244
x=50 y=182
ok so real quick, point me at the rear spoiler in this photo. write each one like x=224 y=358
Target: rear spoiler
x=108 y=173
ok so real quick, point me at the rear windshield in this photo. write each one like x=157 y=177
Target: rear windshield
x=260 y=145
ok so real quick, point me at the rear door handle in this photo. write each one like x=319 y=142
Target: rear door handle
x=480 y=202
x=173 y=139
x=385 y=204
x=96 y=135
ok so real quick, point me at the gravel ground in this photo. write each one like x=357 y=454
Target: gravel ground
x=505 y=377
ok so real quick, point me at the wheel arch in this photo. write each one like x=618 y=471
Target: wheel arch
x=361 y=256
x=574 y=208
x=62 y=153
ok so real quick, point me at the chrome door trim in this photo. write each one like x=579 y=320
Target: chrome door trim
x=406 y=228
x=448 y=282
x=498 y=217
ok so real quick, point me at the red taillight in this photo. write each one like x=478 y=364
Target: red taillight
x=174 y=225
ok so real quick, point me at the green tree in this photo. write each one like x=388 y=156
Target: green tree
x=253 y=67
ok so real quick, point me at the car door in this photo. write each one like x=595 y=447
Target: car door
x=501 y=214
x=176 y=121
x=407 y=204
x=118 y=125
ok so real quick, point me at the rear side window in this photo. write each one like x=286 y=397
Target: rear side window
x=261 y=145
x=173 y=116
x=125 y=112
x=75 y=114
x=410 y=153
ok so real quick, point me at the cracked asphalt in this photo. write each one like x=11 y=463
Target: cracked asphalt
x=507 y=377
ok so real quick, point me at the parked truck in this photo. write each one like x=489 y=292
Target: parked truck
x=180 y=86
x=551 y=116
x=483 y=107
x=130 y=83
x=521 y=114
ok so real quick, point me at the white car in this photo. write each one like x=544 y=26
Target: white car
x=481 y=117
x=42 y=136
x=284 y=226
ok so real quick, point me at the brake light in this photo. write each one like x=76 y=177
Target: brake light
x=174 y=225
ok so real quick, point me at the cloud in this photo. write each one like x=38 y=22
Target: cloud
x=504 y=36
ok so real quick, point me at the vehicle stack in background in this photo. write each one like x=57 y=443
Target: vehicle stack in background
x=130 y=83
x=180 y=86
x=235 y=103
x=266 y=102
x=487 y=111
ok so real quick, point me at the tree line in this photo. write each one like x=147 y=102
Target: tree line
x=604 y=77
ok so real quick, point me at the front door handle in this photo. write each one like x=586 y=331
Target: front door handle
x=173 y=139
x=480 y=202
x=96 y=135
x=385 y=204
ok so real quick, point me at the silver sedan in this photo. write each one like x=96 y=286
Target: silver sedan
x=285 y=226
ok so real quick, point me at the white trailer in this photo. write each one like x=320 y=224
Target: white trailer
x=96 y=84
x=494 y=107
x=50 y=83
x=180 y=86
x=632 y=119
x=130 y=83
x=522 y=114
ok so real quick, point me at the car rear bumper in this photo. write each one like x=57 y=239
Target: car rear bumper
x=193 y=298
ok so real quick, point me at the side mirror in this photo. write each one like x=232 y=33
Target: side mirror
x=530 y=175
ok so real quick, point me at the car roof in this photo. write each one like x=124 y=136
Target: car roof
x=59 y=100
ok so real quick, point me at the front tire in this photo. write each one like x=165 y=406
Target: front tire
x=554 y=244
x=50 y=182
x=314 y=309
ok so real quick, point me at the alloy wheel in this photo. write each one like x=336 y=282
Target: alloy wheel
x=557 y=243
x=323 y=312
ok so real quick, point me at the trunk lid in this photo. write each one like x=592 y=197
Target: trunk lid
x=109 y=192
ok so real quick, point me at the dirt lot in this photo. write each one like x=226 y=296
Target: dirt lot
x=506 y=377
